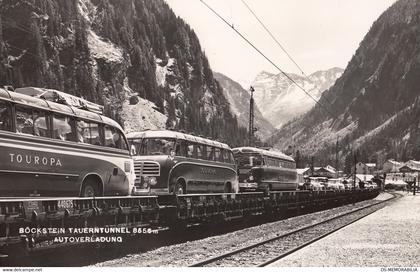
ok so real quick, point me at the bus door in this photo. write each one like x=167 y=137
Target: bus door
x=213 y=175
x=202 y=180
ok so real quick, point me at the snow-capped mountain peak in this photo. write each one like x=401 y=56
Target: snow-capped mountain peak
x=280 y=100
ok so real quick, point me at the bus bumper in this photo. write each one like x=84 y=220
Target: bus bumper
x=149 y=191
x=248 y=186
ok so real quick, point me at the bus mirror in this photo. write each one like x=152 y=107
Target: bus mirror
x=172 y=155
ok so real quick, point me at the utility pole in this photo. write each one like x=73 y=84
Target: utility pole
x=312 y=166
x=336 y=157
x=251 y=128
x=355 y=163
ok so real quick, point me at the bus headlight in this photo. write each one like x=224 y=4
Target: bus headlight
x=251 y=178
x=150 y=180
x=153 y=181
x=145 y=184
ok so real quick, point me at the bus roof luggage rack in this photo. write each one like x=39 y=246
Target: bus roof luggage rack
x=61 y=98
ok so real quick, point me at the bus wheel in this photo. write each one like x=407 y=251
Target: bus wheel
x=90 y=189
x=179 y=188
x=228 y=188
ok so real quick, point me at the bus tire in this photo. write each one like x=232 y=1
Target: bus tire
x=228 y=188
x=90 y=188
x=179 y=188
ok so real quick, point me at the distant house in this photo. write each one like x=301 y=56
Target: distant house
x=325 y=172
x=302 y=172
x=413 y=165
x=410 y=171
x=329 y=167
x=365 y=168
x=392 y=166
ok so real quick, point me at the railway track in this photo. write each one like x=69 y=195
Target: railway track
x=268 y=251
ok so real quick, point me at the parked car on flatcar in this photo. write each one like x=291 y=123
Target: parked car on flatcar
x=335 y=184
x=316 y=184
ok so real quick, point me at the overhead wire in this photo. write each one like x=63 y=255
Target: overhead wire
x=273 y=37
x=278 y=43
x=267 y=58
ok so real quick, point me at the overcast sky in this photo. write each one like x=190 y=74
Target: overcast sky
x=319 y=34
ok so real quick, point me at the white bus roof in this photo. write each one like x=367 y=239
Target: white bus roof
x=175 y=135
x=67 y=99
x=40 y=103
x=269 y=153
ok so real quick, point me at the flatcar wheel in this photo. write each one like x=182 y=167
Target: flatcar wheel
x=90 y=189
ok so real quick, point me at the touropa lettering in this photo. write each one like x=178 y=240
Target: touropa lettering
x=34 y=160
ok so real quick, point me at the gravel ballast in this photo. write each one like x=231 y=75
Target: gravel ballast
x=390 y=237
x=187 y=253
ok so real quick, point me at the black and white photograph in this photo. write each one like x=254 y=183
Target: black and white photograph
x=168 y=134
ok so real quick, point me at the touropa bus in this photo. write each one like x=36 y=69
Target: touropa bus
x=60 y=149
x=169 y=162
x=260 y=169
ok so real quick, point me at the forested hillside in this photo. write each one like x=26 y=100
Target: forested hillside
x=121 y=54
x=373 y=109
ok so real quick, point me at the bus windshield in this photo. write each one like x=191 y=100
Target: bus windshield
x=246 y=160
x=152 y=146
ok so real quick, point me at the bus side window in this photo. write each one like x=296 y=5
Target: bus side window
x=190 y=150
x=181 y=148
x=24 y=121
x=95 y=136
x=41 y=123
x=198 y=151
x=63 y=127
x=83 y=131
x=5 y=116
x=225 y=155
x=114 y=138
x=210 y=153
x=218 y=155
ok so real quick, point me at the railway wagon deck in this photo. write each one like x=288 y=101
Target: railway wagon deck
x=30 y=223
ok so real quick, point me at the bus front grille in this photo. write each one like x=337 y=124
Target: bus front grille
x=146 y=168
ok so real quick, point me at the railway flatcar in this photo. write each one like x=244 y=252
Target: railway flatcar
x=264 y=170
x=53 y=144
x=175 y=163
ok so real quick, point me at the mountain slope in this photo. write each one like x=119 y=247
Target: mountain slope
x=238 y=99
x=135 y=57
x=280 y=100
x=375 y=103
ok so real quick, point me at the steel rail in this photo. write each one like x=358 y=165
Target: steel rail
x=278 y=237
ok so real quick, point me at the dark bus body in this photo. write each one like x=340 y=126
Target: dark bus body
x=169 y=162
x=50 y=149
x=263 y=170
